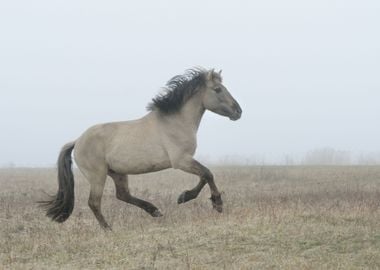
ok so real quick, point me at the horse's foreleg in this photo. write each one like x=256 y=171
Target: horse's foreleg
x=122 y=193
x=194 y=167
x=188 y=195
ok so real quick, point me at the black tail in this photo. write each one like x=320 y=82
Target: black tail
x=60 y=207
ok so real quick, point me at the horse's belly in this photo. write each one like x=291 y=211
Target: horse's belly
x=137 y=160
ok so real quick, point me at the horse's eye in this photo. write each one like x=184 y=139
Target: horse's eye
x=218 y=90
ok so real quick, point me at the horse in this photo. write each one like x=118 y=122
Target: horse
x=166 y=137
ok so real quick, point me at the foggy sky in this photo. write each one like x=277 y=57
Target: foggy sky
x=306 y=73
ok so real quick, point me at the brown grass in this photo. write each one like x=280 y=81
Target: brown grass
x=274 y=218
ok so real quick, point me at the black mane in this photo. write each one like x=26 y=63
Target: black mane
x=178 y=90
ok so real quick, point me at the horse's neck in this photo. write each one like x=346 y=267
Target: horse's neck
x=192 y=112
x=186 y=121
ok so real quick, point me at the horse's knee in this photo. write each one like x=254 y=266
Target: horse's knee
x=207 y=175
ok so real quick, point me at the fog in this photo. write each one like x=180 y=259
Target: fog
x=306 y=73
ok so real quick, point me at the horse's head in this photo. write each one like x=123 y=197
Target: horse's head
x=217 y=99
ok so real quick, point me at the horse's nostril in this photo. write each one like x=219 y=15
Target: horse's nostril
x=238 y=109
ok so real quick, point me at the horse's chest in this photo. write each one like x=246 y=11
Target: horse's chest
x=184 y=144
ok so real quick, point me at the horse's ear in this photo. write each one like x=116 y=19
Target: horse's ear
x=220 y=72
x=210 y=75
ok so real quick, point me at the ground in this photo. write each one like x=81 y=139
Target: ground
x=274 y=218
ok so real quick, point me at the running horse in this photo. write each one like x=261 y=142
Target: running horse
x=166 y=137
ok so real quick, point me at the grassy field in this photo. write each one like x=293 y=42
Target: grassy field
x=274 y=218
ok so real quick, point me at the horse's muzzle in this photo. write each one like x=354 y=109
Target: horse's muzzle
x=237 y=111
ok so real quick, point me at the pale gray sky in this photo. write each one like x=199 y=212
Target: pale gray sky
x=306 y=73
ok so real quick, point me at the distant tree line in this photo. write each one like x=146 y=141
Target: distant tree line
x=330 y=156
x=320 y=156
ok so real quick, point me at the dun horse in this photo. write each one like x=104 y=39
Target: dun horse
x=164 y=138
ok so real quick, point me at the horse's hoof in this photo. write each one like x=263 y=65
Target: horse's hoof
x=157 y=213
x=106 y=228
x=217 y=203
x=182 y=198
x=218 y=208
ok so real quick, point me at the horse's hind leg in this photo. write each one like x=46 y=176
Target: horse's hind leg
x=94 y=202
x=97 y=181
x=122 y=193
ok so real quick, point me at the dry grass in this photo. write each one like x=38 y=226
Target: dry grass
x=275 y=217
